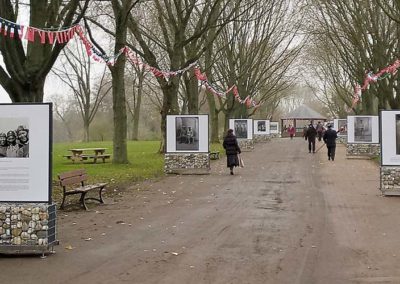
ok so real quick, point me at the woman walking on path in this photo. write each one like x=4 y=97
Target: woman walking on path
x=232 y=150
x=291 y=130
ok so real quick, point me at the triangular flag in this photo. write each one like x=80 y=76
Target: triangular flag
x=50 y=36
x=42 y=35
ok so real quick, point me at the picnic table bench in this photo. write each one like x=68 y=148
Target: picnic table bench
x=73 y=182
x=83 y=155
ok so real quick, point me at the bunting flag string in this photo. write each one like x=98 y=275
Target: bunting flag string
x=371 y=77
x=65 y=34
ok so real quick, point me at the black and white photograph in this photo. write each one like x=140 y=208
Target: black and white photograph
x=363 y=129
x=390 y=140
x=261 y=126
x=240 y=129
x=25 y=152
x=14 y=137
x=187 y=133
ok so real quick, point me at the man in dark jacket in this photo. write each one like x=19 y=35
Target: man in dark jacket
x=330 y=140
x=310 y=135
x=232 y=150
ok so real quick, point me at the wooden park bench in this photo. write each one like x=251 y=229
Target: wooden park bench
x=73 y=182
x=214 y=155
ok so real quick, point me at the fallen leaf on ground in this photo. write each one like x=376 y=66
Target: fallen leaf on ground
x=69 y=247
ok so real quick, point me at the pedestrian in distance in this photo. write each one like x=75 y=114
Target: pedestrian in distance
x=330 y=136
x=305 y=128
x=311 y=135
x=320 y=130
x=292 y=131
x=232 y=150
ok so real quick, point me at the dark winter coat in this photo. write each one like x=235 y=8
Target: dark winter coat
x=231 y=147
x=330 y=137
x=311 y=133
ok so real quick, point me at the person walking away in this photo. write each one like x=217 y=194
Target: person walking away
x=305 y=128
x=320 y=130
x=330 y=140
x=291 y=130
x=232 y=150
x=311 y=134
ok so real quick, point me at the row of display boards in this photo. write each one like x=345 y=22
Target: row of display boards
x=190 y=133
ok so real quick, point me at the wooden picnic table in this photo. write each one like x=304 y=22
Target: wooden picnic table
x=82 y=154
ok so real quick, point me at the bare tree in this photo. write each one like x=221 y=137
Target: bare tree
x=77 y=74
x=26 y=68
x=361 y=39
x=256 y=51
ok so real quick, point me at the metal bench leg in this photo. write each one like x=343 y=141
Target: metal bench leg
x=63 y=200
x=82 y=200
x=100 y=195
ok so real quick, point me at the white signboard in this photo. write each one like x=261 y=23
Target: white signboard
x=242 y=128
x=274 y=127
x=363 y=129
x=187 y=133
x=25 y=152
x=390 y=137
x=261 y=127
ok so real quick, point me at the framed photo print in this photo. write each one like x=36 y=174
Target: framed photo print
x=261 y=127
x=274 y=127
x=187 y=133
x=340 y=123
x=363 y=129
x=242 y=128
x=25 y=152
x=390 y=137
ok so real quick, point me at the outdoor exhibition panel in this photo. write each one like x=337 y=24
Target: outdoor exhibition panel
x=363 y=129
x=274 y=127
x=187 y=133
x=261 y=127
x=27 y=217
x=242 y=128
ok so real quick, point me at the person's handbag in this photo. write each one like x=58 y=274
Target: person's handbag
x=241 y=162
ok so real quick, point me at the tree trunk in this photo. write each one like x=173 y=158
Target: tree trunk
x=120 y=155
x=136 y=111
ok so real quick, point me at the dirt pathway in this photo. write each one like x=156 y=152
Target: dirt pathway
x=287 y=217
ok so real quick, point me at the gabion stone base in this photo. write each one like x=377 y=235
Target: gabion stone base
x=27 y=227
x=261 y=138
x=369 y=150
x=341 y=139
x=187 y=163
x=390 y=180
x=246 y=144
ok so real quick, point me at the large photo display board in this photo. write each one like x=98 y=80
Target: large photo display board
x=261 y=127
x=187 y=133
x=242 y=128
x=274 y=127
x=340 y=124
x=363 y=129
x=25 y=152
x=390 y=137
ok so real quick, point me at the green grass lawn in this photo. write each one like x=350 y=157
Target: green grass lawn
x=145 y=161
